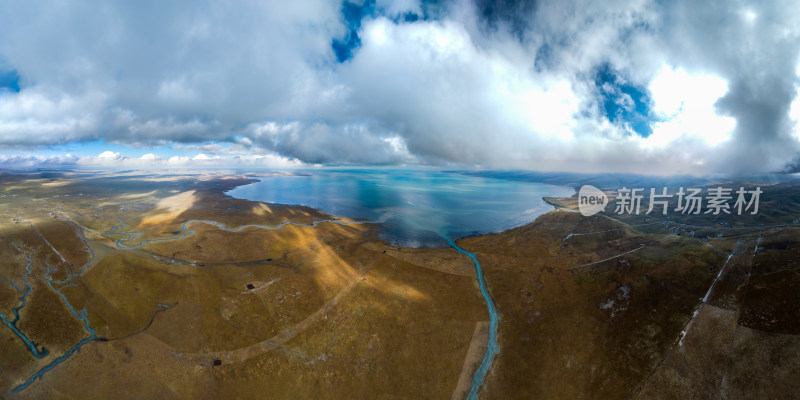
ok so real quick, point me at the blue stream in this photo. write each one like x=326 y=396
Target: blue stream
x=81 y=316
x=92 y=336
x=23 y=300
x=492 y=348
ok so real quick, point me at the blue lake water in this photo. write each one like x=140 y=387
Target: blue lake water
x=416 y=207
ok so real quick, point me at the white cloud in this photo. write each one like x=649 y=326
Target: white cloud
x=116 y=160
x=150 y=157
x=685 y=105
x=109 y=155
x=33 y=160
x=178 y=160
x=48 y=115
x=794 y=109
x=259 y=83
x=749 y=16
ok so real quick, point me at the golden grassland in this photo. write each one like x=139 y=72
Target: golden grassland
x=596 y=307
x=333 y=312
x=572 y=327
x=593 y=331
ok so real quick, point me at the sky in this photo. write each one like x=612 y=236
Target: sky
x=659 y=87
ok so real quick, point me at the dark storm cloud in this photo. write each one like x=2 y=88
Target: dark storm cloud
x=576 y=85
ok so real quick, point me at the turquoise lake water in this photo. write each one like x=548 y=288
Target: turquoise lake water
x=416 y=207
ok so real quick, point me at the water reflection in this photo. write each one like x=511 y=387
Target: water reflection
x=416 y=207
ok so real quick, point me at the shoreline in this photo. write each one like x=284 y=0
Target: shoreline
x=250 y=180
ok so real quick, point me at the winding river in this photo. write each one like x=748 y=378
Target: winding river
x=491 y=348
x=52 y=284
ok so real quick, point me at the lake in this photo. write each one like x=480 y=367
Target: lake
x=415 y=207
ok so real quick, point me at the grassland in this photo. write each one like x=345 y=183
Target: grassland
x=130 y=300
x=626 y=306
x=295 y=312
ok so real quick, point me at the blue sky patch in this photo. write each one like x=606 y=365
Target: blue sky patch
x=353 y=15
x=623 y=102
x=9 y=81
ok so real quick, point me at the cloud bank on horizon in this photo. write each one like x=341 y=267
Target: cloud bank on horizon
x=577 y=85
